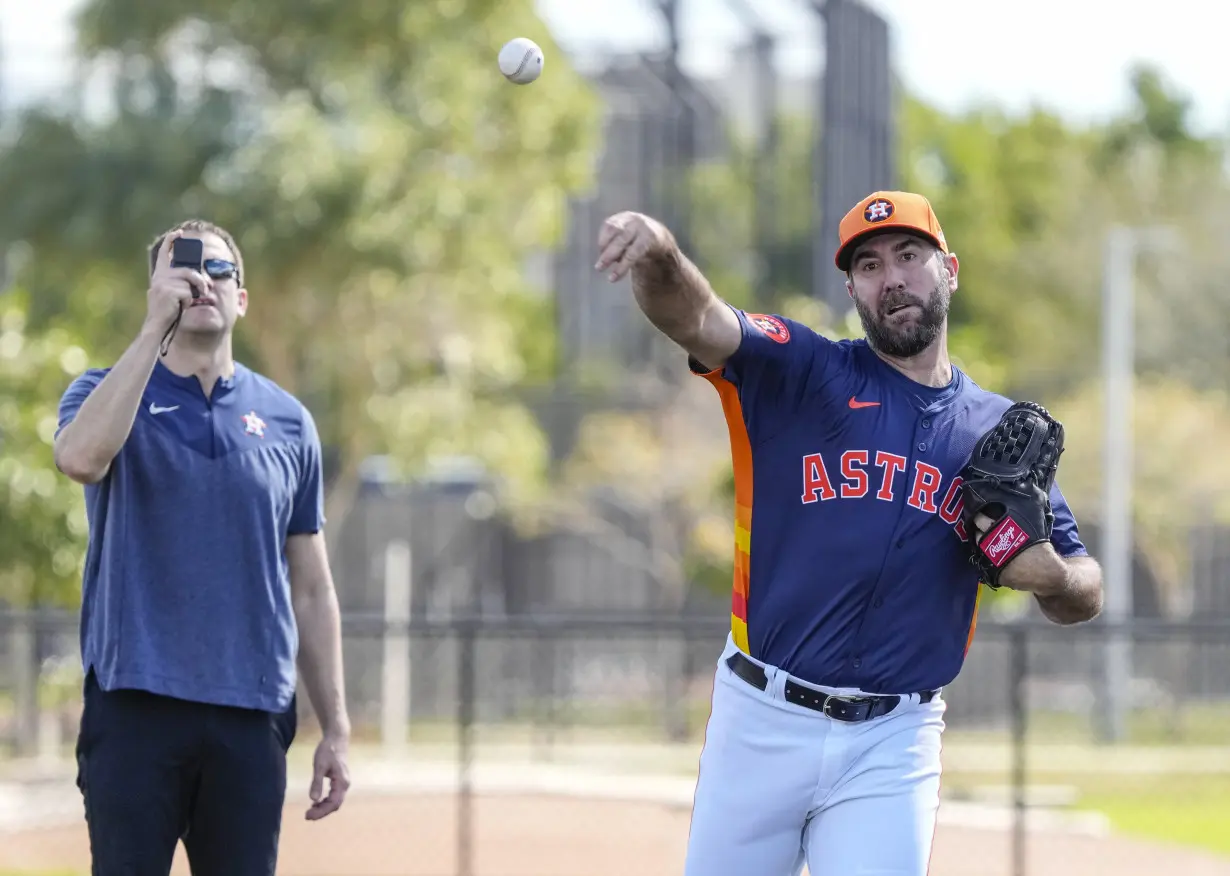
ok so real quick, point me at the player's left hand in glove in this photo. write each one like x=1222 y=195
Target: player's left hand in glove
x=1008 y=482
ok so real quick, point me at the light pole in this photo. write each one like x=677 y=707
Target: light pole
x=1122 y=247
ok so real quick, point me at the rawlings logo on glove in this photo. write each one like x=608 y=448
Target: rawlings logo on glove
x=1008 y=480
x=1004 y=542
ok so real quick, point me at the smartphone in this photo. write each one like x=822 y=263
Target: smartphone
x=188 y=252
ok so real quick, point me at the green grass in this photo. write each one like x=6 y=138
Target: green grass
x=1191 y=810
x=1196 y=724
x=1194 y=810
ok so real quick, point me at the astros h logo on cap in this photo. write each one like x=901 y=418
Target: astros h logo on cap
x=880 y=212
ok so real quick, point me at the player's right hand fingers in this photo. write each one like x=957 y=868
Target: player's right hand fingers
x=611 y=228
x=634 y=253
x=614 y=248
x=619 y=247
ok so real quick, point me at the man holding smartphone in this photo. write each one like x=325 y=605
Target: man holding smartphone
x=206 y=582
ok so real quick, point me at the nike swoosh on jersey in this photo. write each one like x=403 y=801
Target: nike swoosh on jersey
x=155 y=409
x=856 y=404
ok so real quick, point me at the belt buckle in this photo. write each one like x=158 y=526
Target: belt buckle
x=824 y=710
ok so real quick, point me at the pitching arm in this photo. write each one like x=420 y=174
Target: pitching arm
x=677 y=298
x=670 y=290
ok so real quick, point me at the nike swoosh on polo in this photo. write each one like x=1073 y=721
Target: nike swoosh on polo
x=856 y=404
x=154 y=409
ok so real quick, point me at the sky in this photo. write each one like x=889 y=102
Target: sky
x=950 y=52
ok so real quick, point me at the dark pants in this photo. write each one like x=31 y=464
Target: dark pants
x=153 y=770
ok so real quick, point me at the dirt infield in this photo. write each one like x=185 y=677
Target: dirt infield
x=543 y=835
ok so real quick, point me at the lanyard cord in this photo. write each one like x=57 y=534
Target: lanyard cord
x=170 y=333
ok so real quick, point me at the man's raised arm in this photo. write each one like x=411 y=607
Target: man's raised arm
x=671 y=291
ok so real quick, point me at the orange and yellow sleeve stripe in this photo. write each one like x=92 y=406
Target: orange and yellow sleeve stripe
x=973 y=621
x=741 y=459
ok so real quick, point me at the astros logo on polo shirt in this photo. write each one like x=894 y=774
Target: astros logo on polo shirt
x=253 y=425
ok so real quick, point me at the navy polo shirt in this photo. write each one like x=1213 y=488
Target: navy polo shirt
x=851 y=556
x=186 y=590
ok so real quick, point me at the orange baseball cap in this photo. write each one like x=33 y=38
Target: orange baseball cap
x=886 y=211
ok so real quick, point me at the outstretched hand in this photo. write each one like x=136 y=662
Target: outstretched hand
x=627 y=238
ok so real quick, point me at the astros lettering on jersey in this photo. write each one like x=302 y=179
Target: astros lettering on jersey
x=851 y=565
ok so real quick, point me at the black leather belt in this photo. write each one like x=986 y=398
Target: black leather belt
x=840 y=708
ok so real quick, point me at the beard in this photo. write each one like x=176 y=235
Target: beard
x=911 y=338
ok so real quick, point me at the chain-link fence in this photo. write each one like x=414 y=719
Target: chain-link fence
x=467 y=724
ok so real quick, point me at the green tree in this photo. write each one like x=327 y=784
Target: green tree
x=735 y=239
x=42 y=513
x=1027 y=201
x=385 y=183
x=1160 y=115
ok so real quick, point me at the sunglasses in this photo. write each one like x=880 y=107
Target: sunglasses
x=221 y=269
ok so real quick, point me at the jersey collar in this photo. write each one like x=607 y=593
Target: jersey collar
x=929 y=397
x=164 y=376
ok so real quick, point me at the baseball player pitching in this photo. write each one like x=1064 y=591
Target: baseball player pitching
x=876 y=486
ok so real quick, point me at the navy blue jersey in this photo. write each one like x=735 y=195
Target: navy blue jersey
x=186 y=590
x=851 y=559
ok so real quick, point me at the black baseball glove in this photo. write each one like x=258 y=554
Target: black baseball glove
x=1008 y=479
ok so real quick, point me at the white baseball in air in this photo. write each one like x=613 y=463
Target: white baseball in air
x=521 y=61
